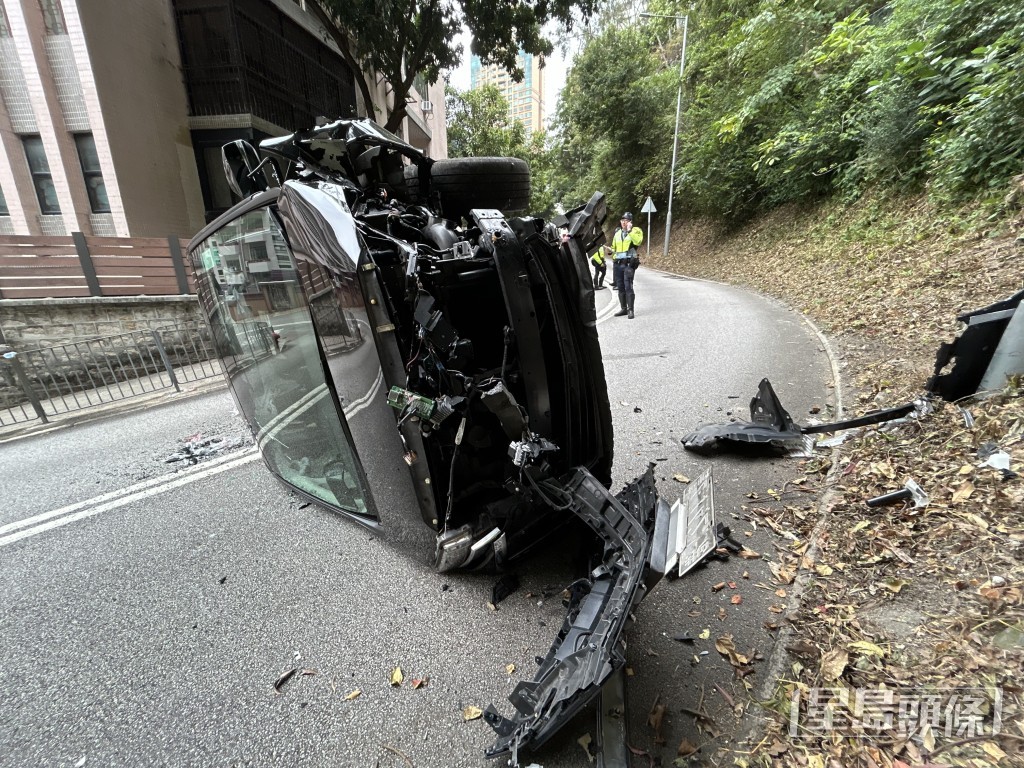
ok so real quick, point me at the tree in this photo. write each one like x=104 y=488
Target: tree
x=614 y=120
x=400 y=39
x=479 y=124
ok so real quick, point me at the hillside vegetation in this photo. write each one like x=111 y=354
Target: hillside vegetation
x=912 y=602
x=797 y=101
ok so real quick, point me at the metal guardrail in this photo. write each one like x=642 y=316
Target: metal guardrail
x=43 y=383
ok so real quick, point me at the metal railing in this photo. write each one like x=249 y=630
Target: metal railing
x=43 y=383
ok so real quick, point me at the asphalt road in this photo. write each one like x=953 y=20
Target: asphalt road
x=150 y=626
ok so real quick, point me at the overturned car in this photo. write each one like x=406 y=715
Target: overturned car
x=409 y=357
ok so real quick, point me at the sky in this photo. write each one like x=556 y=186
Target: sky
x=555 y=68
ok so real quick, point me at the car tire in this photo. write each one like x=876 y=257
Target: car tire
x=464 y=183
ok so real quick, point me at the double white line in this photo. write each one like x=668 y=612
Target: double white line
x=55 y=518
x=608 y=310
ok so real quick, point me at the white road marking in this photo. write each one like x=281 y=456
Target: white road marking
x=364 y=402
x=56 y=518
x=608 y=310
x=119 y=498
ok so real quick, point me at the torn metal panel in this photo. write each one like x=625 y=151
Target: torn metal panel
x=770 y=428
x=972 y=352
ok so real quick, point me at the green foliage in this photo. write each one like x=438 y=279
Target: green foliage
x=479 y=124
x=613 y=121
x=405 y=39
x=794 y=100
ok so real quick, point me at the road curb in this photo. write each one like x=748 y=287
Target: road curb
x=779 y=657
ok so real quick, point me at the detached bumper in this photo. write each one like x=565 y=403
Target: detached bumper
x=589 y=647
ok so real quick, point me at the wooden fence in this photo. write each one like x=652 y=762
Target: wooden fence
x=54 y=267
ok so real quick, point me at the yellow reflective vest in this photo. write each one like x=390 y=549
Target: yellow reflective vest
x=623 y=241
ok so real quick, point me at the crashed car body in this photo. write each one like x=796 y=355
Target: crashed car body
x=432 y=378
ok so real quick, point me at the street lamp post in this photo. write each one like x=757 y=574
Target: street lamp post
x=675 y=137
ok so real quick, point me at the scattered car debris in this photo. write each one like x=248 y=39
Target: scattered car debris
x=875 y=417
x=197 y=447
x=506 y=584
x=996 y=458
x=280 y=682
x=485 y=362
x=772 y=431
x=910 y=492
x=1000 y=460
x=990 y=348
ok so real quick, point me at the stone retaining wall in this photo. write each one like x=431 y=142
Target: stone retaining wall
x=33 y=323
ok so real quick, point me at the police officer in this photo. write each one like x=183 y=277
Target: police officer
x=600 y=267
x=625 y=261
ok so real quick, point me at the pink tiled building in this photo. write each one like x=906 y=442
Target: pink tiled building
x=112 y=112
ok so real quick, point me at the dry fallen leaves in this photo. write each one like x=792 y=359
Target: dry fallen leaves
x=963 y=493
x=894 y=304
x=471 y=713
x=686 y=748
x=833 y=663
x=782 y=573
x=865 y=648
x=725 y=646
x=396 y=676
x=655 y=719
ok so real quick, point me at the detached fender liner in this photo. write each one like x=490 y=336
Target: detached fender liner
x=587 y=649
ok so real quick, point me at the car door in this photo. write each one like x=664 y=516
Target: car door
x=272 y=342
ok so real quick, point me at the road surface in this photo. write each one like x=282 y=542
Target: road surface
x=147 y=611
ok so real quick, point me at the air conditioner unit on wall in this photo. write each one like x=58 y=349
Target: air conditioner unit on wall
x=427 y=107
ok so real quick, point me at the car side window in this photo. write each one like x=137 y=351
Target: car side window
x=249 y=284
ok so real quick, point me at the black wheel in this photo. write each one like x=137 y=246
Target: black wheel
x=464 y=183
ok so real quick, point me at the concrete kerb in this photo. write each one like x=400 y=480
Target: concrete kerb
x=779 y=658
x=116 y=408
